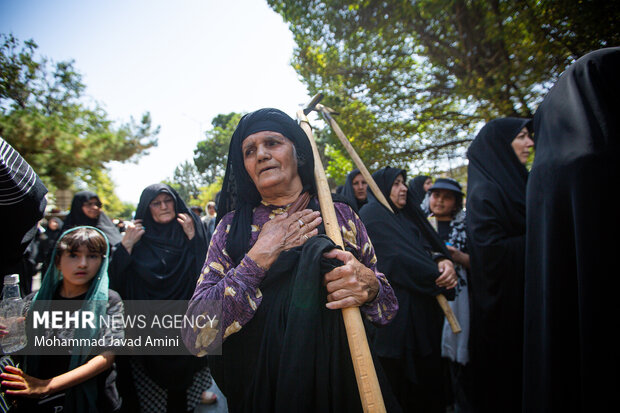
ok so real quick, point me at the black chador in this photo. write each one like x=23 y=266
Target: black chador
x=571 y=312
x=496 y=241
x=410 y=346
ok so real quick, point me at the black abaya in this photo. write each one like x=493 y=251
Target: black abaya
x=163 y=265
x=496 y=241
x=571 y=242
x=410 y=346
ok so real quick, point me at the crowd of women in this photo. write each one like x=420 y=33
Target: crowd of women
x=519 y=256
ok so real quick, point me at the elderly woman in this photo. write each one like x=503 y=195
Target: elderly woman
x=87 y=209
x=284 y=345
x=416 y=263
x=355 y=189
x=497 y=177
x=160 y=258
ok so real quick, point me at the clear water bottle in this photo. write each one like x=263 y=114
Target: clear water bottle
x=11 y=316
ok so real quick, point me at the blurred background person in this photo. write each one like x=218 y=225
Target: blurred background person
x=354 y=189
x=86 y=209
x=418 y=187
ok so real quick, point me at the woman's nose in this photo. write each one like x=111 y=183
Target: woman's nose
x=262 y=152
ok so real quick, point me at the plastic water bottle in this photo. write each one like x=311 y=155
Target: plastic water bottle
x=11 y=316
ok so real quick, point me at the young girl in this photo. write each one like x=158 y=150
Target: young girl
x=76 y=381
x=445 y=203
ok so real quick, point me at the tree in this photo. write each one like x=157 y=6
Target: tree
x=418 y=77
x=43 y=115
x=187 y=181
x=211 y=154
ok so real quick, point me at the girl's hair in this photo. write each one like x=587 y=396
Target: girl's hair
x=94 y=241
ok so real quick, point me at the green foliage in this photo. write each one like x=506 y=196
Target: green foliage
x=187 y=181
x=44 y=117
x=208 y=193
x=415 y=79
x=211 y=154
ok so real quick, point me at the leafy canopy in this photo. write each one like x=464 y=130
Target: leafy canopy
x=43 y=115
x=415 y=79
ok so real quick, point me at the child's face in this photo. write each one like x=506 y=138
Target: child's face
x=442 y=202
x=79 y=267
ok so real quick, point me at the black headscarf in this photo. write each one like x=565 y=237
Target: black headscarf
x=403 y=242
x=77 y=217
x=239 y=192
x=164 y=263
x=496 y=241
x=349 y=193
x=572 y=241
x=416 y=188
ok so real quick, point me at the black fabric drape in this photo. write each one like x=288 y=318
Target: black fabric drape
x=22 y=205
x=349 y=193
x=77 y=217
x=416 y=188
x=572 y=242
x=293 y=356
x=496 y=241
x=403 y=244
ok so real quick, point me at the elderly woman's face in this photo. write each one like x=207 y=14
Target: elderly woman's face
x=269 y=158
x=398 y=194
x=162 y=208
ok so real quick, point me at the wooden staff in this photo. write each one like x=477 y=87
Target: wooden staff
x=441 y=299
x=367 y=382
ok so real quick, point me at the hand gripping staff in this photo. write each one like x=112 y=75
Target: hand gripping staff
x=326 y=112
x=365 y=374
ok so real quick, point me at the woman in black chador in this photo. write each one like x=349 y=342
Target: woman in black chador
x=86 y=209
x=355 y=189
x=418 y=187
x=572 y=242
x=416 y=264
x=160 y=258
x=496 y=239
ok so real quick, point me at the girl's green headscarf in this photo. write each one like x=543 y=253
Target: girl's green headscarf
x=84 y=394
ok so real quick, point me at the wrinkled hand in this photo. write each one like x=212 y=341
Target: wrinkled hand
x=447 y=275
x=19 y=383
x=283 y=233
x=187 y=223
x=350 y=285
x=133 y=233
